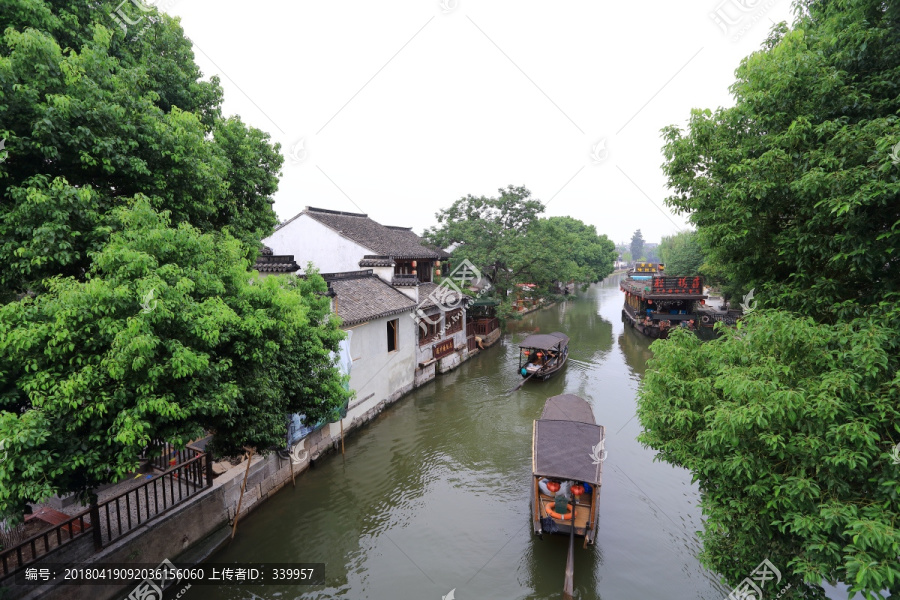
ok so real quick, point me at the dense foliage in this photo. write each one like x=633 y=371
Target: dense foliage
x=167 y=337
x=510 y=243
x=91 y=115
x=120 y=329
x=789 y=422
x=793 y=190
x=681 y=254
x=788 y=427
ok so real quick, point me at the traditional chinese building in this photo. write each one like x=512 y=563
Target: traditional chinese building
x=336 y=241
x=340 y=244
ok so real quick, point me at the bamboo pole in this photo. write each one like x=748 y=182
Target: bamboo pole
x=342 y=437
x=291 y=462
x=241 y=498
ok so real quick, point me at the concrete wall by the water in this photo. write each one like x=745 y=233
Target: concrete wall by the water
x=212 y=511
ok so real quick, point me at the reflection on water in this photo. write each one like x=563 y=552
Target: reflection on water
x=433 y=495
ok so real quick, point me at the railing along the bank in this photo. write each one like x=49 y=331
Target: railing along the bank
x=111 y=519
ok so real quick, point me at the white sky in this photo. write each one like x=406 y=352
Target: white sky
x=404 y=107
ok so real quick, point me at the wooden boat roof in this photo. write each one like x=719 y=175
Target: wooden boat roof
x=545 y=341
x=568 y=407
x=566 y=439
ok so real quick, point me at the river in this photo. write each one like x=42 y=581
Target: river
x=432 y=496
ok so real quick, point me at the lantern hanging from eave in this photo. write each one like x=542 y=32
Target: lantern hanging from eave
x=414 y=264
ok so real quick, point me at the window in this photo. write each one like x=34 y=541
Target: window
x=453 y=321
x=429 y=332
x=392 y=334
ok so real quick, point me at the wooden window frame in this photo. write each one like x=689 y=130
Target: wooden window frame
x=392 y=326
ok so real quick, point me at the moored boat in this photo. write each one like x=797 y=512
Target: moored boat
x=567 y=463
x=655 y=303
x=542 y=355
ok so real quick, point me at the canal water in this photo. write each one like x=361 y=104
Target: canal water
x=433 y=495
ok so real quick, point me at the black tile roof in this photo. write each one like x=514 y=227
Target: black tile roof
x=283 y=263
x=371 y=260
x=362 y=296
x=427 y=295
x=395 y=242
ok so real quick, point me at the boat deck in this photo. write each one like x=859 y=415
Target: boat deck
x=582 y=510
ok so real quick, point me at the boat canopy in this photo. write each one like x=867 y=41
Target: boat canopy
x=545 y=341
x=566 y=440
x=568 y=407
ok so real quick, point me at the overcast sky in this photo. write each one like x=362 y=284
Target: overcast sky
x=397 y=109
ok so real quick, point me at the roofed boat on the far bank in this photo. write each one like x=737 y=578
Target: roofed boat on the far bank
x=656 y=302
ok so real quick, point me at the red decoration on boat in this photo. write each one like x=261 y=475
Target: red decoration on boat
x=553 y=486
x=578 y=489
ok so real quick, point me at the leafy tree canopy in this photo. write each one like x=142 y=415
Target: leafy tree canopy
x=793 y=189
x=681 y=254
x=510 y=243
x=167 y=336
x=788 y=426
x=787 y=422
x=92 y=115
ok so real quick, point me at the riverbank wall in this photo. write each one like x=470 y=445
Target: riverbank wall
x=193 y=530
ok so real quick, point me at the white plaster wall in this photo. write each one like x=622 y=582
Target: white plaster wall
x=375 y=371
x=308 y=240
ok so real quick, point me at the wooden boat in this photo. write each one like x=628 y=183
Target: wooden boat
x=655 y=302
x=567 y=446
x=542 y=355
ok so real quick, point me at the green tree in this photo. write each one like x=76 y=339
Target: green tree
x=92 y=115
x=167 y=336
x=489 y=232
x=510 y=243
x=593 y=255
x=637 y=245
x=793 y=190
x=787 y=421
x=788 y=427
x=681 y=254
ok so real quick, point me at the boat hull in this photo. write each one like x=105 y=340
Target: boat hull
x=650 y=331
x=543 y=375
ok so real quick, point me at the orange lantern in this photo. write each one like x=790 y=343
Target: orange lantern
x=527 y=352
x=414 y=264
x=540 y=354
x=578 y=489
x=553 y=486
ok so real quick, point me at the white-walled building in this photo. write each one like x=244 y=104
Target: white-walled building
x=336 y=241
x=377 y=320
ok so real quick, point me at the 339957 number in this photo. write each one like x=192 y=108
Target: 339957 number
x=292 y=574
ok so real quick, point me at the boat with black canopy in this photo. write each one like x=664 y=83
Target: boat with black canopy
x=542 y=355
x=567 y=465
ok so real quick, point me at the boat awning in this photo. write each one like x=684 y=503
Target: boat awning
x=568 y=407
x=566 y=450
x=545 y=341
